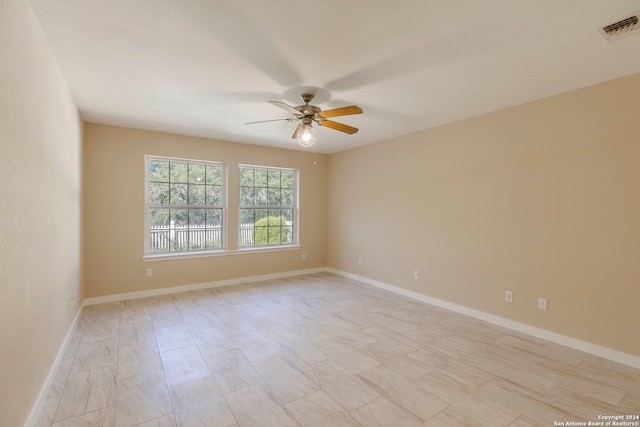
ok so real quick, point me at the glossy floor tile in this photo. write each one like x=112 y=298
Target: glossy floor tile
x=319 y=350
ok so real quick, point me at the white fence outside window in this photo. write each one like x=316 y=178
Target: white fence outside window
x=173 y=237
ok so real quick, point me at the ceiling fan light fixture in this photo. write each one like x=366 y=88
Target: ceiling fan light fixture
x=307 y=136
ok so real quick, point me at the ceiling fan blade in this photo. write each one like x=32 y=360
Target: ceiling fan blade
x=286 y=107
x=343 y=111
x=338 y=126
x=295 y=132
x=273 y=120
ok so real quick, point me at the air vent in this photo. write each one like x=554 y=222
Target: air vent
x=621 y=28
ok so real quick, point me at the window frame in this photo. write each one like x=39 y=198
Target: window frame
x=223 y=207
x=295 y=226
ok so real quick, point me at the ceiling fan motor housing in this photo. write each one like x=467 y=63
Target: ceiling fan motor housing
x=306 y=109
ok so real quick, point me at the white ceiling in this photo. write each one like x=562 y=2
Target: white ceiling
x=205 y=67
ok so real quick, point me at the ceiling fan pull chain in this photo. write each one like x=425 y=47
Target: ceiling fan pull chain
x=315 y=154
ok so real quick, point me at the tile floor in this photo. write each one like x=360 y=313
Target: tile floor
x=320 y=350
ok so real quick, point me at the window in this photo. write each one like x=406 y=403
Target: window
x=185 y=205
x=267 y=206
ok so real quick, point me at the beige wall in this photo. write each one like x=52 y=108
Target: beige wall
x=40 y=171
x=114 y=211
x=541 y=199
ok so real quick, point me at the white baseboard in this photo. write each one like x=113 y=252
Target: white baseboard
x=587 y=347
x=32 y=419
x=197 y=286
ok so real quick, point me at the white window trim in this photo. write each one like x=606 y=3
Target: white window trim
x=219 y=252
x=184 y=254
x=296 y=210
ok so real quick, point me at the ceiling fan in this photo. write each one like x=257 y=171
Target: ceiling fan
x=307 y=114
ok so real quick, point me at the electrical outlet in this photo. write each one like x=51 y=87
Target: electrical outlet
x=71 y=298
x=542 y=304
x=416 y=274
x=149 y=272
x=304 y=256
x=508 y=296
x=359 y=262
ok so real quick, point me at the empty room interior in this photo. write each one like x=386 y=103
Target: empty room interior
x=336 y=213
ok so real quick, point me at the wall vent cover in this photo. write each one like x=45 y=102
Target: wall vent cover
x=621 y=28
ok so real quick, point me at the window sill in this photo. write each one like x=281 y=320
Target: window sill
x=206 y=254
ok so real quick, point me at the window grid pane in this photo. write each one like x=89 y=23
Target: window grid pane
x=267 y=203
x=178 y=192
